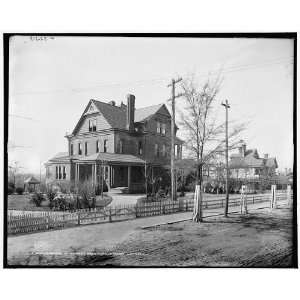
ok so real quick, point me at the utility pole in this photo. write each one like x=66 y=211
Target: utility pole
x=173 y=97
x=226 y=105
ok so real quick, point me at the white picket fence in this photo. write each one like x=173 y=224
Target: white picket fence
x=24 y=222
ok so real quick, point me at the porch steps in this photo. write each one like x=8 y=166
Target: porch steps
x=119 y=190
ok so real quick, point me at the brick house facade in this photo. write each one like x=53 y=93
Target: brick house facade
x=117 y=143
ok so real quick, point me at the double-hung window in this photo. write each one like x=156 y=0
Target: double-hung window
x=97 y=146
x=86 y=148
x=92 y=125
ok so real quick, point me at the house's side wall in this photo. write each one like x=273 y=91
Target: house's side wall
x=51 y=173
x=243 y=173
x=91 y=139
x=153 y=137
x=130 y=143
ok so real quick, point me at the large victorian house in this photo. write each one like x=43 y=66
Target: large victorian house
x=247 y=166
x=116 y=142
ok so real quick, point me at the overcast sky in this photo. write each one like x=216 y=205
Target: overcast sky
x=52 y=80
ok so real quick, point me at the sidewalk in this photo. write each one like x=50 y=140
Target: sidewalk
x=99 y=236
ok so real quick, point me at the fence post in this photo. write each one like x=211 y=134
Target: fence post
x=78 y=220
x=47 y=222
x=273 y=203
x=288 y=195
x=109 y=217
x=243 y=202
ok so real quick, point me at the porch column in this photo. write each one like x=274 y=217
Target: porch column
x=129 y=178
x=95 y=174
x=77 y=173
x=109 y=174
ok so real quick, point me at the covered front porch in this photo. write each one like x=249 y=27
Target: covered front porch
x=116 y=170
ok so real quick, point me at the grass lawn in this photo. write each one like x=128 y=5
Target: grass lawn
x=22 y=202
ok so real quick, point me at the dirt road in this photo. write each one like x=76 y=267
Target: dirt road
x=107 y=243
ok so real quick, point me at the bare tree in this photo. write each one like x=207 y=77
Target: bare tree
x=205 y=137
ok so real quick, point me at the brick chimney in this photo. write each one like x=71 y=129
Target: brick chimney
x=266 y=156
x=130 y=112
x=242 y=148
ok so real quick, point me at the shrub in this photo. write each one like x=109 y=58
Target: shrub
x=10 y=190
x=50 y=195
x=37 y=199
x=86 y=190
x=98 y=188
x=11 y=185
x=19 y=190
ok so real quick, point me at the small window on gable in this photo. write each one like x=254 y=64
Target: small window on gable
x=79 y=149
x=92 y=125
x=72 y=150
x=56 y=172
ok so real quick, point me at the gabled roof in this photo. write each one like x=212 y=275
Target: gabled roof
x=245 y=162
x=116 y=116
x=60 y=157
x=32 y=180
x=271 y=162
x=142 y=114
x=251 y=159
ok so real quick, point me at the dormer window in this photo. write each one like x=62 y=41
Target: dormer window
x=92 y=125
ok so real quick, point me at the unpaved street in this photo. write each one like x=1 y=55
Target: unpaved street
x=261 y=238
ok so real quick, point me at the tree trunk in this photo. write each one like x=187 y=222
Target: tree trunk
x=197 y=215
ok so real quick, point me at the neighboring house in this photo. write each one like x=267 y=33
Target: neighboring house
x=247 y=165
x=118 y=141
